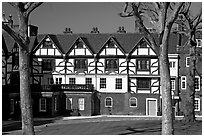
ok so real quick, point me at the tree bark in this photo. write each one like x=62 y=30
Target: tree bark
x=24 y=68
x=167 y=117
x=189 y=112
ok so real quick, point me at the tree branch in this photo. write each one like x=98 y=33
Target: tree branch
x=15 y=36
x=33 y=6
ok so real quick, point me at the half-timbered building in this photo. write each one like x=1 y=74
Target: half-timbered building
x=98 y=74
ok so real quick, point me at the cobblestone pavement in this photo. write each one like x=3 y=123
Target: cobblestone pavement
x=111 y=126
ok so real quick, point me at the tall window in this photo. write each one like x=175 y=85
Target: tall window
x=197 y=104
x=172 y=84
x=68 y=103
x=133 y=102
x=187 y=61
x=88 y=81
x=102 y=82
x=143 y=83
x=47 y=64
x=80 y=64
x=199 y=42
x=183 y=82
x=197 y=83
x=108 y=102
x=172 y=64
x=111 y=64
x=118 y=83
x=72 y=81
x=42 y=103
x=81 y=103
x=58 y=80
x=143 y=64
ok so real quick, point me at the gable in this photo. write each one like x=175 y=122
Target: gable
x=111 y=47
x=47 y=47
x=80 y=47
x=143 y=48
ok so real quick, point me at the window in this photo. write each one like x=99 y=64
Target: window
x=187 y=61
x=172 y=64
x=42 y=104
x=47 y=44
x=172 y=84
x=15 y=60
x=79 y=45
x=111 y=44
x=143 y=64
x=11 y=106
x=81 y=103
x=197 y=83
x=72 y=80
x=183 y=82
x=111 y=64
x=133 y=102
x=102 y=82
x=55 y=104
x=88 y=81
x=80 y=64
x=143 y=83
x=108 y=102
x=143 y=44
x=197 y=104
x=68 y=103
x=199 y=42
x=118 y=83
x=58 y=80
x=47 y=64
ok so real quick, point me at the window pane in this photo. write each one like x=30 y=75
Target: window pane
x=72 y=80
x=118 y=83
x=111 y=64
x=102 y=82
x=108 y=102
x=133 y=102
x=88 y=81
x=143 y=64
x=81 y=103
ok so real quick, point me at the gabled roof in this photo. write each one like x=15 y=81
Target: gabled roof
x=9 y=41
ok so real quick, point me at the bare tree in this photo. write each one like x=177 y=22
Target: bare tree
x=24 y=9
x=192 y=25
x=162 y=15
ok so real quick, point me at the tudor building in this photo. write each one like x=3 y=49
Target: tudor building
x=90 y=74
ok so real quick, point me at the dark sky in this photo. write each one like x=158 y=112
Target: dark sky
x=53 y=17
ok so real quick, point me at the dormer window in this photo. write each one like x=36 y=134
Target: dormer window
x=111 y=64
x=79 y=45
x=80 y=64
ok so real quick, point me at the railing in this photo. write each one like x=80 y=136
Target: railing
x=68 y=87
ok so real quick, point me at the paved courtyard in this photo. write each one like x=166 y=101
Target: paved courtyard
x=111 y=126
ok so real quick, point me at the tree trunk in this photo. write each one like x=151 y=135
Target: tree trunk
x=189 y=113
x=24 y=68
x=167 y=120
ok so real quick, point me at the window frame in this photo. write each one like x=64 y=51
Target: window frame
x=197 y=89
x=88 y=81
x=111 y=67
x=143 y=84
x=199 y=41
x=119 y=83
x=141 y=63
x=197 y=109
x=102 y=83
x=187 y=61
x=174 y=84
x=111 y=102
x=70 y=100
x=47 y=64
x=72 y=81
x=172 y=64
x=40 y=105
x=81 y=104
x=130 y=102
x=183 y=79
x=80 y=67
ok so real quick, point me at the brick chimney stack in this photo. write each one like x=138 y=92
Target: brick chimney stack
x=121 y=29
x=67 y=31
x=95 y=30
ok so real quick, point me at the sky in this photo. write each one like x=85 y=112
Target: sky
x=81 y=17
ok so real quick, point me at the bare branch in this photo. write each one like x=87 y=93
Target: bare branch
x=32 y=7
x=15 y=36
x=13 y=4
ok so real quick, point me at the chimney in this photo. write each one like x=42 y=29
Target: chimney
x=95 y=30
x=67 y=31
x=121 y=29
x=10 y=21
